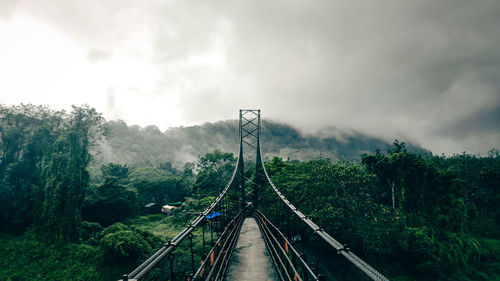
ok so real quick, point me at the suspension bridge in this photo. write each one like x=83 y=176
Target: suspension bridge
x=244 y=235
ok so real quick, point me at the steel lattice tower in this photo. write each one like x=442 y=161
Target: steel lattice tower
x=249 y=132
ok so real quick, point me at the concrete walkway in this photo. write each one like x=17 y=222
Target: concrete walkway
x=251 y=260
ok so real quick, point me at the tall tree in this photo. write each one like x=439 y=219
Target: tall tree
x=26 y=133
x=65 y=174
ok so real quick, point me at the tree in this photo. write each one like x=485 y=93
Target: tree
x=123 y=243
x=117 y=172
x=214 y=170
x=65 y=174
x=401 y=179
x=145 y=174
x=153 y=186
x=26 y=134
x=167 y=189
x=168 y=169
x=109 y=203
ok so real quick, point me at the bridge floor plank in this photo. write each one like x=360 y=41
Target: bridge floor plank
x=251 y=261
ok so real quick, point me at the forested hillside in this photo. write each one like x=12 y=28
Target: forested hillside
x=137 y=145
x=412 y=215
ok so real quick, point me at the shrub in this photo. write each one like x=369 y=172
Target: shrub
x=122 y=243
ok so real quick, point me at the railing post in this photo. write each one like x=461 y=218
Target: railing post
x=171 y=259
x=211 y=234
x=192 y=253
x=317 y=261
x=344 y=270
x=305 y=276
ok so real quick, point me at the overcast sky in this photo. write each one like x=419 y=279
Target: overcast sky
x=427 y=71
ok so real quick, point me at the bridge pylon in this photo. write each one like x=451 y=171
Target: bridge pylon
x=249 y=131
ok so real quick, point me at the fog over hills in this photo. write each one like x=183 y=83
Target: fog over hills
x=179 y=145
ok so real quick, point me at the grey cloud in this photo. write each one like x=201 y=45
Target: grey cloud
x=182 y=29
x=7 y=8
x=110 y=101
x=111 y=110
x=101 y=24
x=96 y=55
x=479 y=123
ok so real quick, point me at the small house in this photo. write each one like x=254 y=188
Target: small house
x=167 y=208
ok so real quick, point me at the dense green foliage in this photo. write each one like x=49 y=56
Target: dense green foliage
x=109 y=203
x=122 y=243
x=440 y=225
x=44 y=156
x=31 y=259
x=106 y=254
x=65 y=175
x=213 y=172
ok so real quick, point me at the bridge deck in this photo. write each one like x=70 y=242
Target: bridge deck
x=251 y=260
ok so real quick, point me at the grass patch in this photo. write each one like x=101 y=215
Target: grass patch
x=160 y=224
x=26 y=258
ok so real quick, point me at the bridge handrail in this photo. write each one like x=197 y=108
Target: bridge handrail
x=147 y=265
x=237 y=221
x=355 y=260
x=294 y=251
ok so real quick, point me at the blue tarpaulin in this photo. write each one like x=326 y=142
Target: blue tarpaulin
x=213 y=215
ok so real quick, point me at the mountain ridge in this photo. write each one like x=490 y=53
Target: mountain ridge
x=148 y=145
